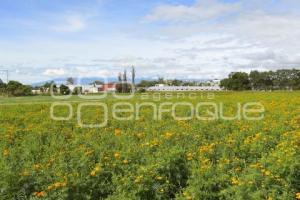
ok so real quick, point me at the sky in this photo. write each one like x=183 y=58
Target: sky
x=187 y=39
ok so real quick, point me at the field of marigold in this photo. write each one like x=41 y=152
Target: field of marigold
x=143 y=158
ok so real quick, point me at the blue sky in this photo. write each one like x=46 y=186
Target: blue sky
x=41 y=40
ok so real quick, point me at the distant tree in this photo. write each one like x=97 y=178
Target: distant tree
x=283 y=79
x=54 y=88
x=145 y=84
x=141 y=90
x=286 y=79
x=176 y=82
x=133 y=78
x=15 y=88
x=237 y=81
x=123 y=87
x=3 y=90
x=261 y=80
x=133 y=75
x=47 y=87
x=48 y=84
x=255 y=80
x=13 y=85
x=190 y=83
x=295 y=81
x=1 y=82
x=125 y=76
x=64 y=90
x=161 y=80
x=120 y=77
x=70 y=81
x=77 y=90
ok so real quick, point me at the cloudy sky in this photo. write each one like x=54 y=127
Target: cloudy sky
x=46 y=39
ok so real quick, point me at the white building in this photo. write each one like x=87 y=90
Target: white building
x=36 y=91
x=87 y=89
x=162 y=88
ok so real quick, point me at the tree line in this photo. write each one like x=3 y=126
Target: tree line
x=284 y=79
x=171 y=82
x=14 y=88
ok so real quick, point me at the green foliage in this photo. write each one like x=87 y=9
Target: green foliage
x=237 y=81
x=124 y=87
x=288 y=79
x=64 y=90
x=77 y=90
x=14 y=88
x=148 y=159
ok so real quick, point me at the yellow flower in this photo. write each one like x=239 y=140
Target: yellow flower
x=25 y=173
x=168 y=135
x=298 y=195
x=207 y=148
x=140 y=135
x=50 y=187
x=189 y=156
x=5 y=152
x=138 y=179
x=234 y=181
x=37 y=166
x=266 y=172
x=125 y=161
x=187 y=196
x=88 y=152
x=95 y=170
x=117 y=132
x=117 y=155
x=93 y=173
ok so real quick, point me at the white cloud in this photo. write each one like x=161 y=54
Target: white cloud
x=201 y=10
x=71 y=23
x=55 y=72
x=204 y=40
x=256 y=38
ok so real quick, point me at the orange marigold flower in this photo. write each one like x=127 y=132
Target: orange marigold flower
x=298 y=195
x=118 y=132
x=39 y=194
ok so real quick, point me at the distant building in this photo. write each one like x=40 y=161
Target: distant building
x=94 y=89
x=108 y=87
x=161 y=87
x=36 y=91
